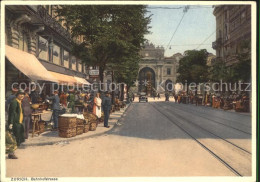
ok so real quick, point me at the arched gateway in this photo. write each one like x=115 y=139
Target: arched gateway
x=146 y=80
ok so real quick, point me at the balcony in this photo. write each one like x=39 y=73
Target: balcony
x=52 y=22
x=217 y=44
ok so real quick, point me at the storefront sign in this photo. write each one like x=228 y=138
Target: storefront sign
x=94 y=72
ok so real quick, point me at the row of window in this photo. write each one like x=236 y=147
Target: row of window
x=51 y=11
x=240 y=18
x=52 y=52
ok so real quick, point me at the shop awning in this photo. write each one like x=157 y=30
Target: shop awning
x=28 y=64
x=64 y=79
x=81 y=80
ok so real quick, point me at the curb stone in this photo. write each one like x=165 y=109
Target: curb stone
x=74 y=139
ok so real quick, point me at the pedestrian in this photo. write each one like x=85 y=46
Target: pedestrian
x=15 y=118
x=77 y=97
x=197 y=99
x=86 y=102
x=179 y=98
x=97 y=106
x=55 y=108
x=166 y=96
x=63 y=99
x=175 y=98
x=154 y=95
x=71 y=101
x=34 y=97
x=10 y=98
x=106 y=106
x=133 y=96
x=27 y=112
x=158 y=96
x=213 y=101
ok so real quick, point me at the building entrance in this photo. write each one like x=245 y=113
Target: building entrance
x=146 y=80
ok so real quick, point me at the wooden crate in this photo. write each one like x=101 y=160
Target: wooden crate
x=67 y=122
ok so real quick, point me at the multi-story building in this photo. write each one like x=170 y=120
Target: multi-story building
x=210 y=59
x=35 y=32
x=233 y=27
x=156 y=69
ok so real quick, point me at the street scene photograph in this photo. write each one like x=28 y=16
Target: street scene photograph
x=133 y=89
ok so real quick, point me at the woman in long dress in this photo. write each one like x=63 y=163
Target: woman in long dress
x=97 y=106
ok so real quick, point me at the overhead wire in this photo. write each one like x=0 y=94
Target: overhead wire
x=183 y=45
x=191 y=7
x=206 y=39
x=184 y=12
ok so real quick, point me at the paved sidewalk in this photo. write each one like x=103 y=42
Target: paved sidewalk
x=51 y=137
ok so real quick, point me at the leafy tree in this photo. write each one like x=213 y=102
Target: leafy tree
x=193 y=67
x=238 y=71
x=242 y=69
x=110 y=32
x=218 y=71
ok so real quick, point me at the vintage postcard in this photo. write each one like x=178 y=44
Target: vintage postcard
x=128 y=91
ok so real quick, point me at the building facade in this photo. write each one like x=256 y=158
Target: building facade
x=156 y=71
x=36 y=30
x=233 y=27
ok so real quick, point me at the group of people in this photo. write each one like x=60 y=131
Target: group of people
x=212 y=100
x=19 y=111
x=86 y=101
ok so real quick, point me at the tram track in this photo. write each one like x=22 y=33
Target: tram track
x=201 y=111
x=212 y=120
x=196 y=125
x=235 y=158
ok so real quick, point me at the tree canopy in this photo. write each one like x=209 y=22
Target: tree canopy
x=238 y=71
x=193 y=67
x=112 y=33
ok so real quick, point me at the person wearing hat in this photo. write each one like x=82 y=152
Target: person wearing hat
x=15 y=118
x=71 y=101
x=106 y=106
x=10 y=98
x=63 y=99
x=27 y=111
x=55 y=108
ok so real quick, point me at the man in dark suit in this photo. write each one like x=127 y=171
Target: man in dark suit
x=106 y=106
x=55 y=107
x=15 y=118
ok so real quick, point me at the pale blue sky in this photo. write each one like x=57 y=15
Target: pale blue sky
x=197 y=25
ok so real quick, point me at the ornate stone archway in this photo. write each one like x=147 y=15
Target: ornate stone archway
x=146 y=78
